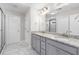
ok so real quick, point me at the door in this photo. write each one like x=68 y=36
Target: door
x=52 y=25
x=33 y=41
x=13 y=28
x=36 y=43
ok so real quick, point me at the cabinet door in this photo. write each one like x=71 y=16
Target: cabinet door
x=50 y=50
x=37 y=46
x=33 y=41
x=61 y=52
x=36 y=43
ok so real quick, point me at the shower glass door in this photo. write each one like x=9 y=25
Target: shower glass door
x=2 y=30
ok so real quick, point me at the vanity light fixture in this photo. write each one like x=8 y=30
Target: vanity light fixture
x=44 y=10
x=77 y=17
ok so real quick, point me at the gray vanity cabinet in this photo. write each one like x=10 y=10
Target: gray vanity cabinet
x=50 y=50
x=59 y=48
x=35 y=42
x=47 y=46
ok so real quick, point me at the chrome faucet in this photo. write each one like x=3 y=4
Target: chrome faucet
x=68 y=33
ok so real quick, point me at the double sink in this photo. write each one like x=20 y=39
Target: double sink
x=60 y=36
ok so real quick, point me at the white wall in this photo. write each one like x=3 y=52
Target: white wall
x=28 y=27
x=37 y=20
x=33 y=22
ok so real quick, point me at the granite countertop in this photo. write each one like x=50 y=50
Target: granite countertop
x=71 y=41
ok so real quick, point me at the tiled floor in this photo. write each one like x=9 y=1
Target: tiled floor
x=20 y=48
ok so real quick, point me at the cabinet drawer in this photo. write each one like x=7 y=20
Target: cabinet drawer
x=42 y=45
x=42 y=52
x=61 y=52
x=43 y=39
x=62 y=46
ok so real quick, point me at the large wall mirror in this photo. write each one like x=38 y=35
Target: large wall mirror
x=65 y=22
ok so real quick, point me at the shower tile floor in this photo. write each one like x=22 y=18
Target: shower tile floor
x=20 y=48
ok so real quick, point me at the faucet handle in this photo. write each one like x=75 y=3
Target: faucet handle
x=68 y=31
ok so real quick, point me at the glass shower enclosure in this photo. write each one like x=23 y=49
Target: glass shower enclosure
x=2 y=30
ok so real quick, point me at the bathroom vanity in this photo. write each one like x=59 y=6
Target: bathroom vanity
x=52 y=44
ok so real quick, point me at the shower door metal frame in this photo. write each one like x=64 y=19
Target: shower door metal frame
x=2 y=29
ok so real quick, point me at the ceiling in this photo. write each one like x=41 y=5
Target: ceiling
x=63 y=8
x=70 y=6
x=19 y=8
x=22 y=8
